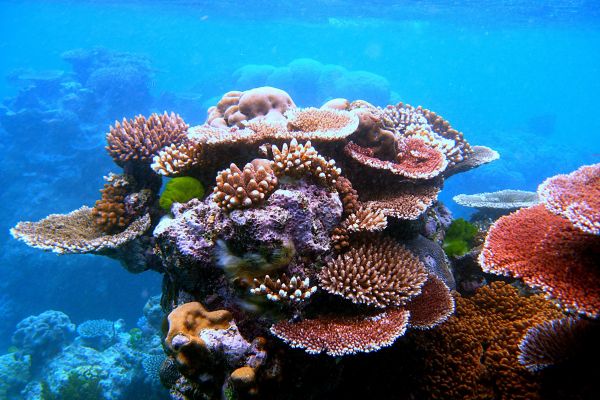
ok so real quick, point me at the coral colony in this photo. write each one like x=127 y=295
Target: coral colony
x=320 y=235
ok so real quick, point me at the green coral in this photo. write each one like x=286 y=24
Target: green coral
x=180 y=190
x=459 y=238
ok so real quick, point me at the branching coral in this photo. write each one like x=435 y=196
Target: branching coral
x=109 y=212
x=237 y=188
x=141 y=138
x=473 y=355
x=575 y=196
x=299 y=160
x=284 y=289
x=338 y=336
x=364 y=220
x=348 y=195
x=76 y=233
x=380 y=273
x=547 y=252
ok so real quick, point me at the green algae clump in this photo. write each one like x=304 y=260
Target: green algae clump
x=180 y=190
x=459 y=238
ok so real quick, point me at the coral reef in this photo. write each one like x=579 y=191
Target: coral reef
x=44 y=335
x=310 y=239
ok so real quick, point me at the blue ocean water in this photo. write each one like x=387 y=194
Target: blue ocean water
x=518 y=76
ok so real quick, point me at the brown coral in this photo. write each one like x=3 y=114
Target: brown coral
x=183 y=338
x=479 y=155
x=338 y=336
x=176 y=158
x=575 y=196
x=141 y=138
x=547 y=252
x=432 y=306
x=365 y=220
x=299 y=160
x=381 y=273
x=109 y=211
x=473 y=355
x=76 y=233
x=348 y=195
x=403 y=200
x=322 y=124
x=285 y=289
x=237 y=188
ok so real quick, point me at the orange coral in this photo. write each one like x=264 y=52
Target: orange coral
x=432 y=306
x=183 y=338
x=473 y=355
x=348 y=195
x=575 y=196
x=419 y=160
x=109 y=211
x=547 y=252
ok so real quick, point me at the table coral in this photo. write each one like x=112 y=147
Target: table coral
x=473 y=355
x=575 y=196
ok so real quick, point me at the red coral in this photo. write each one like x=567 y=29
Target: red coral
x=432 y=306
x=419 y=160
x=547 y=252
x=575 y=196
x=338 y=336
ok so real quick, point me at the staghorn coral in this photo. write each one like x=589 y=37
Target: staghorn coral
x=76 y=233
x=552 y=342
x=432 y=306
x=338 y=336
x=502 y=199
x=364 y=220
x=381 y=273
x=473 y=355
x=284 y=289
x=575 y=196
x=176 y=158
x=109 y=212
x=237 y=188
x=139 y=139
x=299 y=160
x=547 y=252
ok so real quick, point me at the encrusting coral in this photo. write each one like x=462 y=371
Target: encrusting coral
x=473 y=355
x=381 y=273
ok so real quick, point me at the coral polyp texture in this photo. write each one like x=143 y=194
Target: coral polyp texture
x=548 y=247
x=575 y=196
x=139 y=139
x=503 y=200
x=313 y=235
x=381 y=273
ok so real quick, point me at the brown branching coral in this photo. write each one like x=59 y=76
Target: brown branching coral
x=473 y=355
x=348 y=195
x=338 y=336
x=76 y=233
x=365 y=220
x=141 y=138
x=300 y=160
x=237 y=188
x=460 y=147
x=283 y=289
x=109 y=212
x=381 y=273
x=176 y=158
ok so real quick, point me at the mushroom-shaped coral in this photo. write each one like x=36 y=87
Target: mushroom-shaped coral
x=300 y=160
x=553 y=342
x=338 y=336
x=76 y=233
x=237 y=188
x=575 y=196
x=236 y=108
x=284 y=289
x=501 y=200
x=141 y=138
x=109 y=211
x=547 y=252
x=381 y=273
